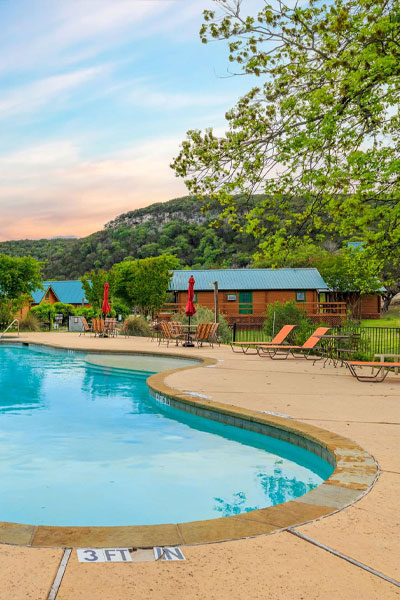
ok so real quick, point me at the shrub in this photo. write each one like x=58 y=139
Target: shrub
x=30 y=322
x=360 y=355
x=288 y=313
x=136 y=325
x=120 y=308
x=206 y=315
x=64 y=309
x=44 y=312
x=87 y=311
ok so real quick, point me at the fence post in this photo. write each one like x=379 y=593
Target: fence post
x=234 y=331
x=49 y=321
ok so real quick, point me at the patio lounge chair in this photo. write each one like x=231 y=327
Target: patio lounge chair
x=155 y=330
x=282 y=352
x=98 y=326
x=110 y=326
x=276 y=341
x=382 y=367
x=86 y=327
x=167 y=334
x=214 y=334
x=176 y=329
x=204 y=334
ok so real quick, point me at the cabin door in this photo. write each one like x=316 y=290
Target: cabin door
x=245 y=303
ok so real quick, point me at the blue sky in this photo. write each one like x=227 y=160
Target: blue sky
x=95 y=98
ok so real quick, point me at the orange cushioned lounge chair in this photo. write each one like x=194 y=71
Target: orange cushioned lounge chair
x=305 y=351
x=382 y=367
x=277 y=340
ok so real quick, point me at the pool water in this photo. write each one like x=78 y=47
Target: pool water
x=83 y=444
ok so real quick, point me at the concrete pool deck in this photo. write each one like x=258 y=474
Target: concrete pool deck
x=279 y=565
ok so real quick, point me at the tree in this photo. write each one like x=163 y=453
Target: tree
x=351 y=273
x=391 y=281
x=305 y=256
x=19 y=277
x=93 y=285
x=44 y=312
x=319 y=136
x=144 y=283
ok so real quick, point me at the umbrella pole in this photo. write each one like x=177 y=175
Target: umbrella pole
x=188 y=342
x=103 y=333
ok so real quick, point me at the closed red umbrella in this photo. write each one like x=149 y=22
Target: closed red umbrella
x=190 y=309
x=106 y=307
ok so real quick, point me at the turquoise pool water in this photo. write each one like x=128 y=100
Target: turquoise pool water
x=82 y=444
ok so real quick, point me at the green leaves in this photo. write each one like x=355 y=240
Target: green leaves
x=19 y=276
x=144 y=283
x=323 y=129
x=93 y=285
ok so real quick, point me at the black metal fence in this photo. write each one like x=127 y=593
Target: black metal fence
x=379 y=340
x=245 y=332
x=372 y=340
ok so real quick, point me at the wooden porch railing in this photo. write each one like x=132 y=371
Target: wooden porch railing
x=233 y=309
x=325 y=308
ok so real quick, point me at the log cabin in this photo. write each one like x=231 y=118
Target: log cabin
x=68 y=292
x=244 y=294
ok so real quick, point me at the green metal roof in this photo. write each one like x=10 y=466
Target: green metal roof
x=356 y=245
x=249 y=279
x=38 y=295
x=69 y=292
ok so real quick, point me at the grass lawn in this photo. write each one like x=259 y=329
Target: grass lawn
x=389 y=319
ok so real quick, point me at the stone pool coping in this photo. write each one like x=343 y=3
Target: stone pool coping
x=355 y=473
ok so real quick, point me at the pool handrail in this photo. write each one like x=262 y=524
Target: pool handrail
x=9 y=326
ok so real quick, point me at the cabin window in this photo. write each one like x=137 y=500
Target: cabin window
x=301 y=296
x=195 y=298
x=245 y=303
x=231 y=297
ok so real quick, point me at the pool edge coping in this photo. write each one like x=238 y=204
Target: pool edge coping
x=355 y=473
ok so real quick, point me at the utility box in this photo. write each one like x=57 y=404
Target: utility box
x=75 y=324
x=58 y=319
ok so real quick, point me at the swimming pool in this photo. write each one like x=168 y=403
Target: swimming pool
x=83 y=444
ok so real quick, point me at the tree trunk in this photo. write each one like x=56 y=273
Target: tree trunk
x=387 y=298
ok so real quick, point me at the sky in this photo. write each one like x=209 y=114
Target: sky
x=95 y=98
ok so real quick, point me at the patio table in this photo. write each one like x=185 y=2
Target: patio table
x=330 y=348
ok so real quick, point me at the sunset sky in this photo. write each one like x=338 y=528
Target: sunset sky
x=96 y=96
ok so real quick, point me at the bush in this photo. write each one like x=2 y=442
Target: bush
x=136 y=325
x=64 y=309
x=44 y=312
x=360 y=355
x=289 y=313
x=206 y=315
x=30 y=322
x=87 y=311
x=120 y=308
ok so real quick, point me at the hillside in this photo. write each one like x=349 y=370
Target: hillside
x=177 y=226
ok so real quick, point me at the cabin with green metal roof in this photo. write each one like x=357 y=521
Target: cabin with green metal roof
x=68 y=292
x=244 y=294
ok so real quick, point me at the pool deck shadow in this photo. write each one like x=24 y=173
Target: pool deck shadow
x=328 y=407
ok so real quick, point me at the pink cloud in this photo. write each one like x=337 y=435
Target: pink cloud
x=50 y=190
